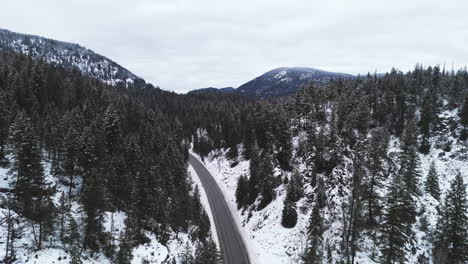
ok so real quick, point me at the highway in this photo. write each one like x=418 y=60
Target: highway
x=230 y=241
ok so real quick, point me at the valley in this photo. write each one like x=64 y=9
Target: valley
x=297 y=165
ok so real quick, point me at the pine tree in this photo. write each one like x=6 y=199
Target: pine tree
x=464 y=113
x=377 y=151
x=33 y=194
x=266 y=179
x=432 y=182
x=254 y=179
x=124 y=256
x=409 y=159
x=4 y=125
x=451 y=245
x=399 y=214
x=207 y=253
x=464 y=120
x=62 y=211
x=249 y=137
x=314 y=253
x=289 y=215
x=242 y=192
x=72 y=240
x=284 y=145
x=295 y=188
x=13 y=230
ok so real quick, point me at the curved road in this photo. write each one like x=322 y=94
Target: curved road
x=230 y=241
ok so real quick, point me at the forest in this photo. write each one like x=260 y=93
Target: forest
x=343 y=168
x=109 y=153
x=124 y=148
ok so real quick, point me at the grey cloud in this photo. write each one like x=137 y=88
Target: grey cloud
x=183 y=45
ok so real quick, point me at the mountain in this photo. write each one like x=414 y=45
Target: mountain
x=282 y=81
x=285 y=81
x=213 y=89
x=67 y=55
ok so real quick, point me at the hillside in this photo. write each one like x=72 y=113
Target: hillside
x=67 y=55
x=91 y=174
x=367 y=170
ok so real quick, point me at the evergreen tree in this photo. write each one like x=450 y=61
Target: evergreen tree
x=451 y=245
x=62 y=211
x=295 y=188
x=4 y=125
x=314 y=252
x=266 y=179
x=284 y=145
x=399 y=214
x=254 y=168
x=464 y=120
x=33 y=194
x=124 y=255
x=13 y=230
x=409 y=159
x=72 y=240
x=464 y=113
x=242 y=192
x=432 y=182
x=377 y=152
x=207 y=253
x=289 y=215
x=249 y=137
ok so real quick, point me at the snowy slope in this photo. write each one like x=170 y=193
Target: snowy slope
x=67 y=55
x=114 y=223
x=271 y=243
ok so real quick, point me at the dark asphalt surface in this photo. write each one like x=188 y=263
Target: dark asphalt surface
x=230 y=241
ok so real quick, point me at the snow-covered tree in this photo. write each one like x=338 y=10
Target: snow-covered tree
x=451 y=244
x=431 y=185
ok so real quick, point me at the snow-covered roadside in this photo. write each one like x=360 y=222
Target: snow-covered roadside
x=204 y=201
x=270 y=243
x=262 y=243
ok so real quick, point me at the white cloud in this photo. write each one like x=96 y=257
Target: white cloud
x=183 y=45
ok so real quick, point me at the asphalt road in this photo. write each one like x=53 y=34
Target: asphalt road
x=230 y=241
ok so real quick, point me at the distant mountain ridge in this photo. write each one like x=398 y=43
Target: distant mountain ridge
x=213 y=89
x=282 y=81
x=68 y=55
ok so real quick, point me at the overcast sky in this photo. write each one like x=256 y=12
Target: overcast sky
x=183 y=45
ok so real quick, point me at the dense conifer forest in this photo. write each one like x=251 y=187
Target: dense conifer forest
x=109 y=152
x=344 y=130
x=124 y=148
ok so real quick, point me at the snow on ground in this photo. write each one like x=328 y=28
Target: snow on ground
x=154 y=252
x=267 y=241
x=114 y=222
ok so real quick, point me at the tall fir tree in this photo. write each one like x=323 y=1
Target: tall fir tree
x=314 y=252
x=399 y=214
x=451 y=244
x=409 y=159
x=377 y=153
x=431 y=185
x=266 y=179
x=464 y=120
x=207 y=252
x=33 y=193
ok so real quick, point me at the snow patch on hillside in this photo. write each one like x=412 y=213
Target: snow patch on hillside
x=113 y=222
x=267 y=240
